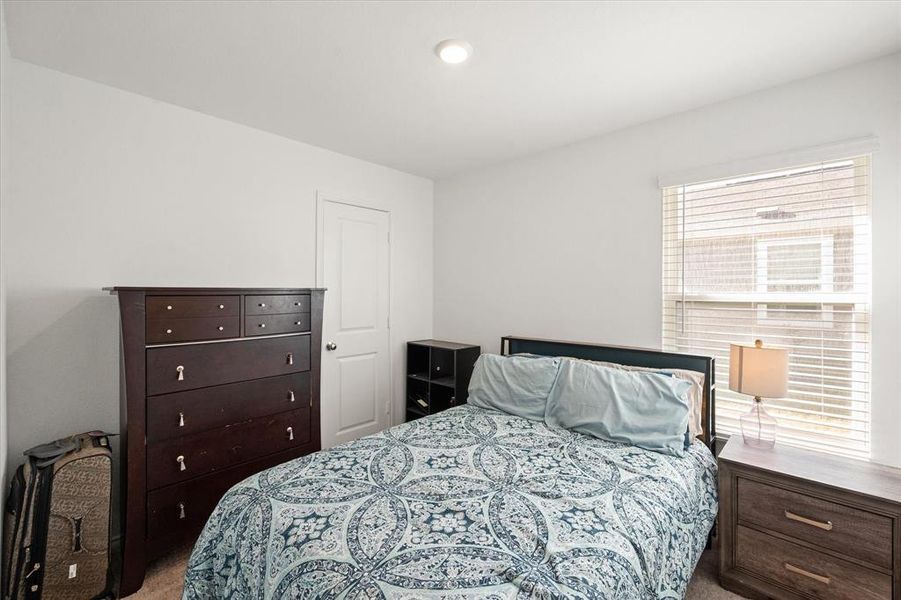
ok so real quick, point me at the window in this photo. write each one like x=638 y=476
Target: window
x=795 y=265
x=782 y=256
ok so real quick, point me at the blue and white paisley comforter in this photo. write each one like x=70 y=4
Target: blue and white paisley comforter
x=469 y=503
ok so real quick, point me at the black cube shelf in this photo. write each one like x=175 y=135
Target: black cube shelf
x=438 y=374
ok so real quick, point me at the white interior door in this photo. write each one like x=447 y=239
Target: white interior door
x=355 y=392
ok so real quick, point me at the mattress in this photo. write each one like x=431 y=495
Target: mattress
x=468 y=503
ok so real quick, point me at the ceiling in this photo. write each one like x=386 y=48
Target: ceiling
x=361 y=78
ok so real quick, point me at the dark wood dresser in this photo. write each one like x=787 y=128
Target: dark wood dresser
x=217 y=384
x=799 y=524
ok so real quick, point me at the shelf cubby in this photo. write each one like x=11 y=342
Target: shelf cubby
x=438 y=374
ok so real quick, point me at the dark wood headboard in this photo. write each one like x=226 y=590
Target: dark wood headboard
x=636 y=357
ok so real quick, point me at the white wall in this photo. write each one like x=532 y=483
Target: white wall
x=4 y=187
x=112 y=188
x=567 y=243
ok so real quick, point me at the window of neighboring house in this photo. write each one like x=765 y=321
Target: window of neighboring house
x=783 y=256
x=802 y=264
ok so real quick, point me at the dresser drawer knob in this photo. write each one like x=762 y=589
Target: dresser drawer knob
x=168 y=307
x=262 y=326
x=824 y=525
x=798 y=570
x=290 y=431
x=181 y=511
x=221 y=306
x=181 y=419
x=181 y=372
x=168 y=331
x=262 y=305
x=181 y=463
x=298 y=322
x=290 y=358
x=221 y=328
x=291 y=395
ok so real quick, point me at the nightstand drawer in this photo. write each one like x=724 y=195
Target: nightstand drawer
x=864 y=535
x=807 y=571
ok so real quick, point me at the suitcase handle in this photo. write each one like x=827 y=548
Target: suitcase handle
x=47 y=454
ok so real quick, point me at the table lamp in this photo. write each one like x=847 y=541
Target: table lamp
x=762 y=373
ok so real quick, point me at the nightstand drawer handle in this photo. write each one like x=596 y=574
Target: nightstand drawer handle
x=792 y=568
x=825 y=526
x=422 y=403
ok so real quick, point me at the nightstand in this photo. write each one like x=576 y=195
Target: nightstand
x=438 y=374
x=800 y=524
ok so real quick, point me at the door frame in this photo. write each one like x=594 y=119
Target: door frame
x=321 y=198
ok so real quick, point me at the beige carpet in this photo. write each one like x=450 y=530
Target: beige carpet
x=164 y=579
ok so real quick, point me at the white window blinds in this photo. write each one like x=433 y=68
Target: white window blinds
x=782 y=256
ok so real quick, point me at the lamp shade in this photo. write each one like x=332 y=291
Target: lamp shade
x=758 y=371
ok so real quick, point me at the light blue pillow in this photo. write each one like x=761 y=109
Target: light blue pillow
x=647 y=410
x=688 y=437
x=513 y=384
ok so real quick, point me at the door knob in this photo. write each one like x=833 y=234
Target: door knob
x=331 y=346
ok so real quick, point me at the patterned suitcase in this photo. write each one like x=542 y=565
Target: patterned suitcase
x=57 y=522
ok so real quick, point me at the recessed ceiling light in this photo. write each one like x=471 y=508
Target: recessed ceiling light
x=453 y=52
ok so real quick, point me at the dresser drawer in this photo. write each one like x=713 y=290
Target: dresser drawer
x=184 y=458
x=807 y=571
x=179 y=511
x=269 y=324
x=847 y=530
x=185 y=413
x=276 y=304
x=178 y=368
x=161 y=331
x=180 y=307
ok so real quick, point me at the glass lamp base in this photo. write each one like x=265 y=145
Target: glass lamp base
x=758 y=428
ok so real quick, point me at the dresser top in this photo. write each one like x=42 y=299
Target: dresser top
x=862 y=477
x=200 y=291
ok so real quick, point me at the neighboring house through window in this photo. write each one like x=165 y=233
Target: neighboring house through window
x=783 y=256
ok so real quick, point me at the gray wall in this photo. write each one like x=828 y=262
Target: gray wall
x=112 y=188
x=4 y=194
x=567 y=243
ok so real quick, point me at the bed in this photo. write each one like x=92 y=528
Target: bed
x=470 y=503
